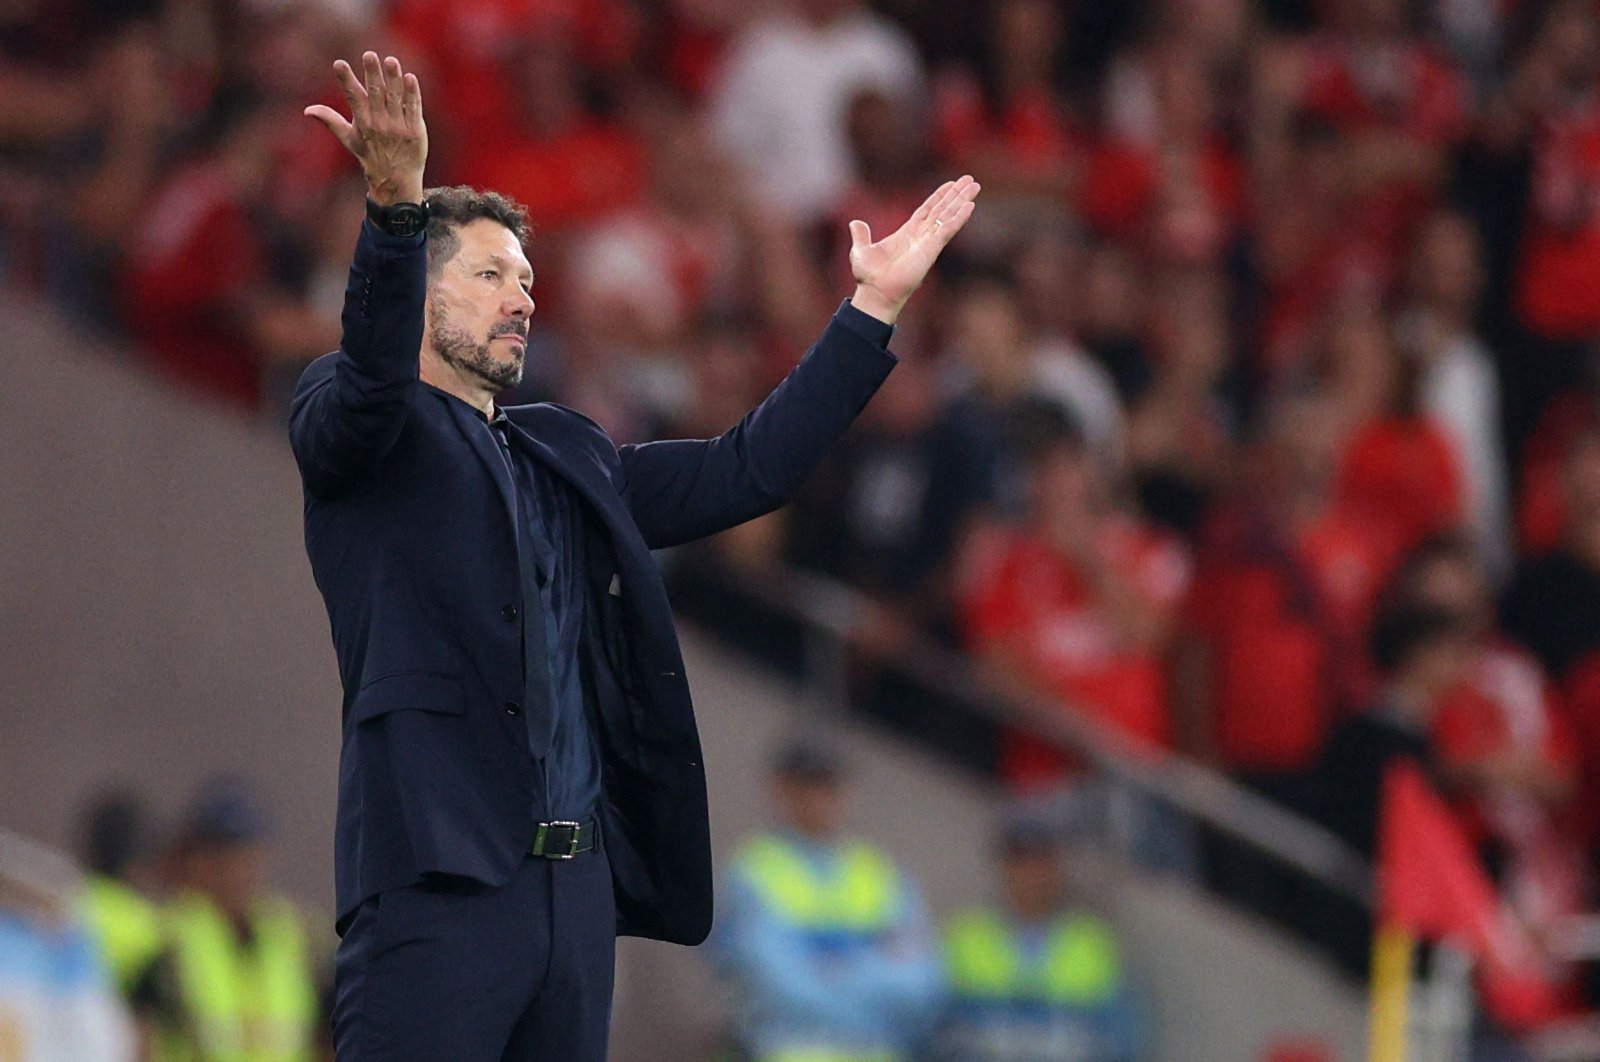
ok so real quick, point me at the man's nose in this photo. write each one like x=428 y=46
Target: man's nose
x=520 y=305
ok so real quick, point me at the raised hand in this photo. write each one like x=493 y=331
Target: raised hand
x=888 y=271
x=385 y=132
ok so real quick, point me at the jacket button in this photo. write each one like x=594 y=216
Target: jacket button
x=508 y=613
x=513 y=708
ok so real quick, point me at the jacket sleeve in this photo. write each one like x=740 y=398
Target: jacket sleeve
x=349 y=406
x=684 y=489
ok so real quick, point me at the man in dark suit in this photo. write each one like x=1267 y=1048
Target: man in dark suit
x=520 y=776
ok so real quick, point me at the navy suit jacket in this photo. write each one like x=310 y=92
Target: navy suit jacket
x=409 y=527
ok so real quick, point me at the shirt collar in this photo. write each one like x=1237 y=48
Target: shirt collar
x=498 y=420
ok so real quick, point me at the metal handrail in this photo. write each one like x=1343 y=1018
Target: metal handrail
x=834 y=613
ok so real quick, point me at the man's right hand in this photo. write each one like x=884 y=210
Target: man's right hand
x=385 y=132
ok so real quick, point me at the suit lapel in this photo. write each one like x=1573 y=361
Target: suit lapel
x=588 y=478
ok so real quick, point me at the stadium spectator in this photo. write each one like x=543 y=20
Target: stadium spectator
x=891 y=159
x=1111 y=322
x=1553 y=604
x=1505 y=750
x=1561 y=241
x=1286 y=578
x=237 y=976
x=889 y=507
x=1000 y=368
x=1180 y=428
x=199 y=292
x=124 y=921
x=1166 y=179
x=1457 y=384
x=781 y=106
x=1075 y=604
x=639 y=282
x=1398 y=104
x=1033 y=977
x=1422 y=655
x=1397 y=470
x=1005 y=115
x=551 y=146
x=473 y=53
x=826 y=944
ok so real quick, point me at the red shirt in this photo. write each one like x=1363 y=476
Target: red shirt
x=584 y=173
x=1033 y=129
x=1412 y=91
x=1556 y=295
x=1023 y=593
x=1124 y=181
x=471 y=46
x=1282 y=622
x=1503 y=707
x=1402 y=474
x=196 y=256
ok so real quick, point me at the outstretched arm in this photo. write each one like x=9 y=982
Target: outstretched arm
x=685 y=489
x=350 y=406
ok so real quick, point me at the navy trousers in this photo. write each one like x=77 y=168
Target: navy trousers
x=451 y=970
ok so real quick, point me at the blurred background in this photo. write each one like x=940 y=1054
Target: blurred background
x=1229 y=530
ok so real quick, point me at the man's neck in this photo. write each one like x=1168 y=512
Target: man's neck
x=439 y=373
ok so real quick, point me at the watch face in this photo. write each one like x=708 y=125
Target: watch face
x=406 y=220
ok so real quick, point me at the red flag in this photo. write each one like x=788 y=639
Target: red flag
x=1429 y=880
x=1430 y=883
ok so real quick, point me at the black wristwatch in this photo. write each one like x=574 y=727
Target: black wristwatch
x=399 y=219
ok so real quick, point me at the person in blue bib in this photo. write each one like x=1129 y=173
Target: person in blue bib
x=830 y=953
x=1032 y=979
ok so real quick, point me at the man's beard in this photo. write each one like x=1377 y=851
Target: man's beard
x=457 y=349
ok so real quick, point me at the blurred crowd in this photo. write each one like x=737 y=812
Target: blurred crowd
x=1254 y=415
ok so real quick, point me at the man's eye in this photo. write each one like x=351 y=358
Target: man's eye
x=490 y=273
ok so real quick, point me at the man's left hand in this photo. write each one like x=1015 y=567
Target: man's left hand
x=889 y=271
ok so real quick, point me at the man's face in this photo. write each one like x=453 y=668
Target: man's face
x=1032 y=881
x=479 y=304
x=811 y=806
x=230 y=874
x=1066 y=488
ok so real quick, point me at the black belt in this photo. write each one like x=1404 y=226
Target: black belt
x=563 y=840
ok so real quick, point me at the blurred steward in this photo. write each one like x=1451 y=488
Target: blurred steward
x=116 y=853
x=57 y=1000
x=1033 y=978
x=235 y=982
x=825 y=943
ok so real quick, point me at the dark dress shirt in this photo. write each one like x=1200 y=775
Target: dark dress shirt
x=549 y=543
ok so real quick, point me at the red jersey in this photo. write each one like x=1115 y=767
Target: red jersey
x=1282 y=622
x=1023 y=593
x=1556 y=295
x=1402 y=474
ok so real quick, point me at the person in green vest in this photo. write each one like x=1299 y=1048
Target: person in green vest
x=1031 y=979
x=122 y=920
x=826 y=945
x=236 y=981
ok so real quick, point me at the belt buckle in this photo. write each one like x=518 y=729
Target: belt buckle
x=572 y=845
